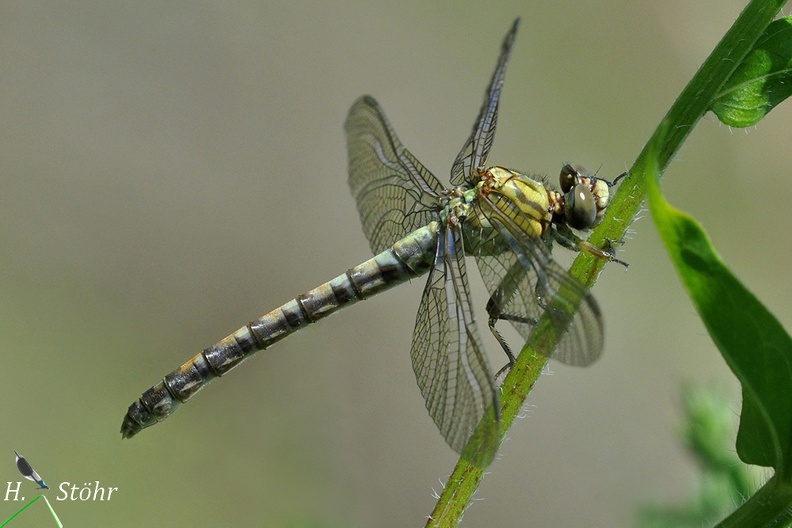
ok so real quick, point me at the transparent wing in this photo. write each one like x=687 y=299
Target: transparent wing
x=448 y=357
x=395 y=193
x=526 y=283
x=474 y=152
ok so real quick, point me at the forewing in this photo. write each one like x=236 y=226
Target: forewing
x=527 y=283
x=448 y=357
x=25 y=468
x=395 y=193
x=474 y=152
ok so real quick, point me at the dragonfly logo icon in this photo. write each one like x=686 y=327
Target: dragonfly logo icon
x=28 y=472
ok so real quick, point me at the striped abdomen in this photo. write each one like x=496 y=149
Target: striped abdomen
x=410 y=257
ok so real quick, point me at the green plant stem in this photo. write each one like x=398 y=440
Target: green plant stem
x=769 y=506
x=463 y=482
x=690 y=106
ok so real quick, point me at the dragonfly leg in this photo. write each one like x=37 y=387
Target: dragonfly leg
x=616 y=181
x=564 y=236
x=610 y=248
x=495 y=314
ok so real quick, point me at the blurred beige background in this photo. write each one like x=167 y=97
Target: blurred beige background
x=168 y=173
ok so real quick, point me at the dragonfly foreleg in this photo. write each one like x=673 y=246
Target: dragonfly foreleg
x=564 y=236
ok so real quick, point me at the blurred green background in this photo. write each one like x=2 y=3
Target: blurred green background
x=170 y=172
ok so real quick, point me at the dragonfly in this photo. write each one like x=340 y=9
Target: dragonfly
x=28 y=472
x=415 y=225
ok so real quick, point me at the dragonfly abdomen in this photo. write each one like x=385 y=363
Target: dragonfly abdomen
x=409 y=257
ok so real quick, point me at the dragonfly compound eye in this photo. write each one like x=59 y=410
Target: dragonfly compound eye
x=572 y=175
x=568 y=178
x=580 y=208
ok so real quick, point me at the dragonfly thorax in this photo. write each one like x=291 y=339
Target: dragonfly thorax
x=519 y=199
x=533 y=207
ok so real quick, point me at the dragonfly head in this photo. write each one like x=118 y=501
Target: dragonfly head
x=586 y=197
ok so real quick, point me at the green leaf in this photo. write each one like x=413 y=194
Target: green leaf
x=761 y=81
x=752 y=341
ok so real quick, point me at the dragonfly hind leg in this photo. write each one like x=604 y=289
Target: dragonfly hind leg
x=496 y=314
